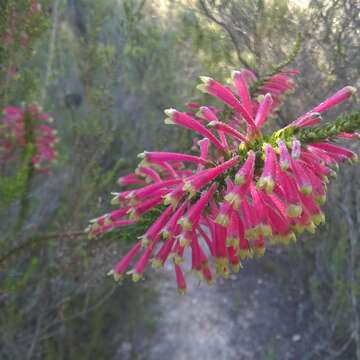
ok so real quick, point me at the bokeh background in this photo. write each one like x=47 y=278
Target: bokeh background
x=105 y=71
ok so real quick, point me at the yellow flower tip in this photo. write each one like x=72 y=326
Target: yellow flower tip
x=178 y=260
x=234 y=199
x=294 y=211
x=184 y=242
x=284 y=165
x=242 y=146
x=306 y=190
x=245 y=253
x=239 y=180
x=251 y=234
x=117 y=276
x=133 y=215
x=266 y=184
x=156 y=264
x=336 y=166
x=298 y=228
x=144 y=241
x=318 y=218
x=165 y=234
x=273 y=240
x=181 y=291
x=199 y=114
x=168 y=200
x=210 y=282
x=231 y=241
x=236 y=267
x=222 y=220
x=320 y=200
x=286 y=239
x=259 y=251
x=136 y=277
x=311 y=228
x=265 y=230
x=333 y=174
x=185 y=223
x=189 y=188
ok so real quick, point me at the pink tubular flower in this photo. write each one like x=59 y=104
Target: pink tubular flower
x=338 y=98
x=267 y=178
x=169 y=156
x=239 y=80
x=263 y=111
x=192 y=217
x=187 y=121
x=124 y=263
x=246 y=172
x=197 y=182
x=214 y=88
x=180 y=279
x=228 y=129
x=226 y=203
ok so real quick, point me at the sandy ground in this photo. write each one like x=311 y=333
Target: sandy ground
x=250 y=316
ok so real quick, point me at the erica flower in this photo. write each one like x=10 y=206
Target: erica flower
x=23 y=126
x=241 y=192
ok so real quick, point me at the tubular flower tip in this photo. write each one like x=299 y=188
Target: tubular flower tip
x=239 y=193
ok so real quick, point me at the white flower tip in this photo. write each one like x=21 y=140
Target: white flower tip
x=110 y=272
x=212 y=123
x=205 y=79
x=169 y=112
x=267 y=97
x=202 y=88
x=114 y=201
x=141 y=155
x=315 y=115
x=351 y=89
x=235 y=73
x=203 y=140
x=199 y=114
x=169 y=121
x=260 y=98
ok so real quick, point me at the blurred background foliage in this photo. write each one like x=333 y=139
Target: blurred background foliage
x=105 y=70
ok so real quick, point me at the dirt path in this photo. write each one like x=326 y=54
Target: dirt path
x=250 y=316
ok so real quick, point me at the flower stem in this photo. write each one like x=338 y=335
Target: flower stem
x=348 y=124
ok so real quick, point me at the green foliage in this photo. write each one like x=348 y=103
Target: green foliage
x=20 y=27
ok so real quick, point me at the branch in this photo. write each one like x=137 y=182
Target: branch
x=37 y=240
x=348 y=123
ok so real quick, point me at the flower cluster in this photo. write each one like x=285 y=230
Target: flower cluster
x=241 y=192
x=21 y=126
